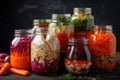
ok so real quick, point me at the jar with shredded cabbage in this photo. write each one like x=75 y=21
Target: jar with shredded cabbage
x=45 y=53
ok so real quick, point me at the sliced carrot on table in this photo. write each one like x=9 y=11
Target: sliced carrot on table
x=4 y=68
x=1 y=65
x=19 y=71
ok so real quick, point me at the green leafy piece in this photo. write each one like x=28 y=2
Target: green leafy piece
x=67 y=77
x=63 y=20
x=83 y=23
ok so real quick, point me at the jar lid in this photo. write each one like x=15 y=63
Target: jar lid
x=103 y=27
x=85 y=10
x=23 y=32
x=36 y=21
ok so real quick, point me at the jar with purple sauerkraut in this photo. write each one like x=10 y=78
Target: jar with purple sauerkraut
x=45 y=53
x=78 y=58
x=20 y=49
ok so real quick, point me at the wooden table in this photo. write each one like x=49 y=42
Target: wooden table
x=115 y=75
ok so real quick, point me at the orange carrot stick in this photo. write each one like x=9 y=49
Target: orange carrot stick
x=4 y=69
x=1 y=65
x=19 y=71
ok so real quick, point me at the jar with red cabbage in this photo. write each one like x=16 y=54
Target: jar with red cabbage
x=45 y=52
x=20 y=49
x=78 y=57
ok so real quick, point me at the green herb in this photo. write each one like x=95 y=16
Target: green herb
x=67 y=77
x=63 y=20
x=83 y=24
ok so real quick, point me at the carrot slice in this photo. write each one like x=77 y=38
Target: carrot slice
x=4 y=69
x=19 y=71
x=1 y=65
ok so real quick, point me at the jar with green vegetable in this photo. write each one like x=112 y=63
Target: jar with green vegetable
x=83 y=21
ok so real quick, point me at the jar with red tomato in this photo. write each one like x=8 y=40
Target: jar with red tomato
x=60 y=25
x=78 y=58
x=102 y=45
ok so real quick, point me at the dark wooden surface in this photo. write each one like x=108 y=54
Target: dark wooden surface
x=114 y=75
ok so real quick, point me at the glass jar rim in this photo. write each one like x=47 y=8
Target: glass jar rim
x=23 y=32
x=78 y=40
x=85 y=10
x=103 y=27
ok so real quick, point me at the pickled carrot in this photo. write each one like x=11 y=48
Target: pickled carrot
x=19 y=71
x=63 y=38
x=20 y=60
x=1 y=60
x=101 y=46
x=77 y=62
x=1 y=65
x=4 y=69
x=104 y=65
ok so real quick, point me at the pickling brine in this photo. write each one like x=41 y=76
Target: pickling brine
x=20 y=49
x=45 y=53
x=102 y=45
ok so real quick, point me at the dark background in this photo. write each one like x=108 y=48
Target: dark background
x=15 y=14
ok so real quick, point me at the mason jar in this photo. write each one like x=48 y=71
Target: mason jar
x=20 y=52
x=44 y=22
x=45 y=52
x=78 y=58
x=60 y=25
x=83 y=21
x=102 y=45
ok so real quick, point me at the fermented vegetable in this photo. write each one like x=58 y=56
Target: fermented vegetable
x=102 y=44
x=45 y=53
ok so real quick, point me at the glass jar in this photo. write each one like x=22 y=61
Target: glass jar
x=36 y=25
x=44 y=22
x=102 y=45
x=61 y=26
x=45 y=53
x=20 y=49
x=78 y=57
x=83 y=21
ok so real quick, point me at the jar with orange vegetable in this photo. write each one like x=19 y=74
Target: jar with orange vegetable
x=78 y=58
x=20 y=51
x=102 y=45
x=60 y=25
